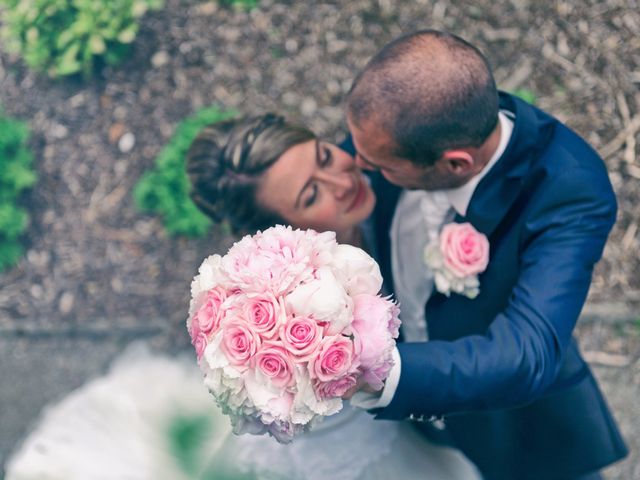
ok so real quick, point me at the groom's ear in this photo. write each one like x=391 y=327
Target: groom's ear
x=459 y=162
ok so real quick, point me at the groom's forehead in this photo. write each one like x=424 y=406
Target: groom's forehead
x=372 y=143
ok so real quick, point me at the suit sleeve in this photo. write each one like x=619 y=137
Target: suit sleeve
x=519 y=356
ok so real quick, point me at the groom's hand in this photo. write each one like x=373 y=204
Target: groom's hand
x=361 y=386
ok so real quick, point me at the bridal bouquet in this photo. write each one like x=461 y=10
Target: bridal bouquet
x=284 y=324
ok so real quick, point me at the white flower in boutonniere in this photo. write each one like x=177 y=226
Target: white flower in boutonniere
x=456 y=258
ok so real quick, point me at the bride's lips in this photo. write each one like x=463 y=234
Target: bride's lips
x=359 y=196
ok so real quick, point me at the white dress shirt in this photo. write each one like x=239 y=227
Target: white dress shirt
x=417 y=221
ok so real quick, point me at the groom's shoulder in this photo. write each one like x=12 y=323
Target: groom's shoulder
x=563 y=149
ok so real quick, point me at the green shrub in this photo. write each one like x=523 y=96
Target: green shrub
x=15 y=175
x=65 y=37
x=241 y=4
x=165 y=189
x=526 y=95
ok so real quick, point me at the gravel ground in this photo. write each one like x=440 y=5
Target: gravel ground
x=97 y=270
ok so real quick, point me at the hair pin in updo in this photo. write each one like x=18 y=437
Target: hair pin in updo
x=236 y=157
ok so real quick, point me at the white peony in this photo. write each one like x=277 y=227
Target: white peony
x=323 y=299
x=356 y=270
x=210 y=274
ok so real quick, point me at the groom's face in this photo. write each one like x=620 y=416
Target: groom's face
x=375 y=151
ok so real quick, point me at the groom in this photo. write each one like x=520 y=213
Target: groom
x=502 y=368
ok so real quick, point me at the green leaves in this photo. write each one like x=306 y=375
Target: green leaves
x=16 y=175
x=165 y=189
x=65 y=37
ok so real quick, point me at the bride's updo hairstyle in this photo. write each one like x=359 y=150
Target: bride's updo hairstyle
x=225 y=164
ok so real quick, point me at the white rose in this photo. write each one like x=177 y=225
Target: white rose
x=323 y=299
x=211 y=273
x=356 y=270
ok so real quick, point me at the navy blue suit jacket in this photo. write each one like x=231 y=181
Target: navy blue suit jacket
x=503 y=368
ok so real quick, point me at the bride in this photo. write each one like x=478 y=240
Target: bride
x=255 y=173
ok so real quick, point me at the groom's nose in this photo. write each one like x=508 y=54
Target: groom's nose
x=363 y=164
x=360 y=163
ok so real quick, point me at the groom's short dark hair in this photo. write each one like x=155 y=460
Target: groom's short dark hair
x=431 y=91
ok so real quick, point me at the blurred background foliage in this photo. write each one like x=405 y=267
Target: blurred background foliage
x=164 y=190
x=16 y=174
x=67 y=37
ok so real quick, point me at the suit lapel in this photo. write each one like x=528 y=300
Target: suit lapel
x=498 y=190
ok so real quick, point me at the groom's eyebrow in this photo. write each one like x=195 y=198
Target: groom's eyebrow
x=306 y=185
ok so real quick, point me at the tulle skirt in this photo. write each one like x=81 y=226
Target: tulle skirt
x=151 y=418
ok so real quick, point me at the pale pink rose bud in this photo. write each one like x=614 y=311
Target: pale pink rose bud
x=262 y=313
x=199 y=342
x=301 y=336
x=334 y=359
x=335 y=388
x=375 y=325
x=275 y=363
x=210 y=313
x=239 y=342
x=465 y=250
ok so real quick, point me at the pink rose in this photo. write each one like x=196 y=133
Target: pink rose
x=210 y=313
x=274 y=362
x=335 y=388
x=239 y=342
x=262 y=313
x=334 y=359
x=199 y=342
x=465 y=250
x=301 y=336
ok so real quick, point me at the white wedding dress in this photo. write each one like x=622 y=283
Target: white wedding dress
x=150 y=417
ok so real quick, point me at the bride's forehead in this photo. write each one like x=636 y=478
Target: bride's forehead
x=290 y=172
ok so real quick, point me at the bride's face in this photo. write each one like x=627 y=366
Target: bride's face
x=317 y=185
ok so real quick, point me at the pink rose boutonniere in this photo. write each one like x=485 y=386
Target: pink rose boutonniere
x=456 y=258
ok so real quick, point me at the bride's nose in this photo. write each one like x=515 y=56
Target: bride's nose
x=340 y=183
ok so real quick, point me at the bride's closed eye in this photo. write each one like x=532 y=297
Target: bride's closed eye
x=326 y=157
x=310 y=200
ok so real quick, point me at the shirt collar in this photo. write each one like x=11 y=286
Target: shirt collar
x=461 y=197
